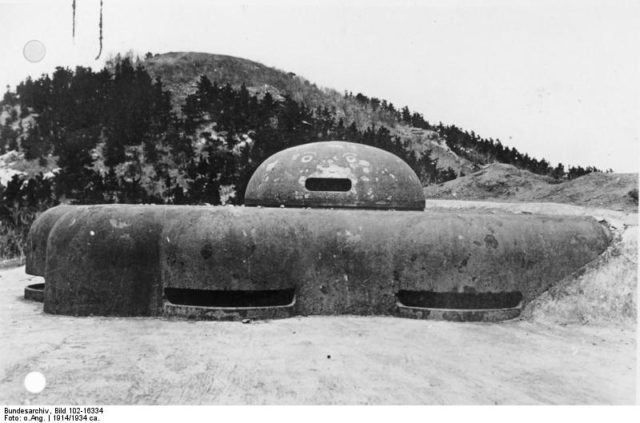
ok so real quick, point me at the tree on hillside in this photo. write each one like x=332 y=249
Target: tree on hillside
x=558 y=171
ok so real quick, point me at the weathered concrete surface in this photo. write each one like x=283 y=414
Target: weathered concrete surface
x=38 y=237
x=460 y=315
x=104 y=260
x=378 y=179
x=602 y=292
x=227 y=313
x=34 y=292
x=374 y=360
x=116 y=259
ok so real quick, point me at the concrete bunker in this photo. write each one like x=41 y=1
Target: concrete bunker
x=352 y=238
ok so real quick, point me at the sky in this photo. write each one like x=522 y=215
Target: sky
x=556 y=79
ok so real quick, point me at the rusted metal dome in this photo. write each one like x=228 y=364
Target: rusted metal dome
x=335 y=174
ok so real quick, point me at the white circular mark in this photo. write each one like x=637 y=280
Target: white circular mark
x=350 y=158
x=306 y=158
x=35 y=382
x=92 y=233
x=34 y=51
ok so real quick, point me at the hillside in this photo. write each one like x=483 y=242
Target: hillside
x=423 y=140
x=504 y=182
x=181 y=71
x=453 y=151
x=190 y=128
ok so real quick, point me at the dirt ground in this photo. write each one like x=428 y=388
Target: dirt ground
x=545 y=358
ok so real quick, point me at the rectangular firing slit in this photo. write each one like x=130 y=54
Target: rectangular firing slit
x=459 y=301
x=229 y=298
x=328 y=184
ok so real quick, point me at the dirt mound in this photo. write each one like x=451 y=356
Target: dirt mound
x=610 y=190
x=604 y=291
x=504 y=182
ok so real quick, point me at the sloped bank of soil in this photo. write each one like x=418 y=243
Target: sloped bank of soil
x=604 y=291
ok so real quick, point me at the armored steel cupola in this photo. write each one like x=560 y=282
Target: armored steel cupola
x=335 y=174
